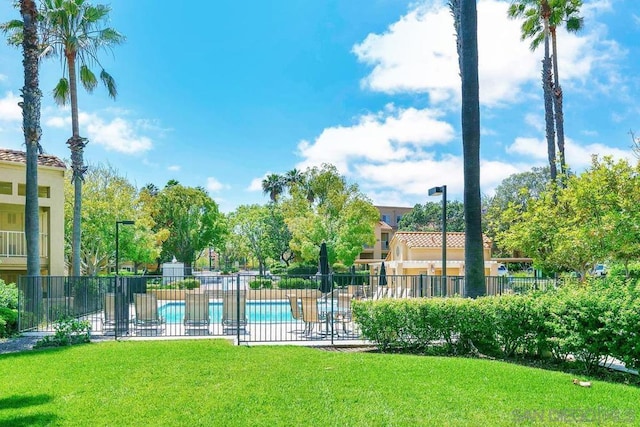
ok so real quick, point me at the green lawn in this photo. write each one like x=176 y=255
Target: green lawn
x=211 y=382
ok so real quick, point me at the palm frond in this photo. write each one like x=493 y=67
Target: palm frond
x=13 y=30
x=61 y=91
x=87 y=78
x=109 y=83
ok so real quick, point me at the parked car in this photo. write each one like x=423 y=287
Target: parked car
x=599 y=270
x=502 y=270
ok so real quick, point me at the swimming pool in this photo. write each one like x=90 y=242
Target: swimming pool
x=268 y=311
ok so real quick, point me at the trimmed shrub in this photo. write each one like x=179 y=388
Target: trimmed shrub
x=302 y=270
x=278 y=269
x=297 y=283
x=8 y=321
x=261 y=284
x=8 y=295
x=68 y=331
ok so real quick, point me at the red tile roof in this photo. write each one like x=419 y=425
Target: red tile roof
x=433 y=239
x=21 y=157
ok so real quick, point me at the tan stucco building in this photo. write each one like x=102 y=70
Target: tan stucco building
x=416 y=252
x=385 y=229
x=13 y=247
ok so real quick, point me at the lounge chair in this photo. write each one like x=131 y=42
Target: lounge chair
x=147 y=319
x=312 y=317
x=109 y=315
x=196 y=313
x=234 y=312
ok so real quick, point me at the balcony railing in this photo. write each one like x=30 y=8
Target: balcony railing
x=14 y=244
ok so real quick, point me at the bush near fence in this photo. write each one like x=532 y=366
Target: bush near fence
x=8 y=309
x=589 y=321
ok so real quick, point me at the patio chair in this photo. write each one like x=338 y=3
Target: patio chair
x=234 y=312
x=196 y=313
x=312 y=317
x=147 y=319
x=109 y=314
x=296 y=312
x=343 y=317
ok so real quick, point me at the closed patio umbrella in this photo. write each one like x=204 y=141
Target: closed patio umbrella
x=382 y=281
x=325 y=283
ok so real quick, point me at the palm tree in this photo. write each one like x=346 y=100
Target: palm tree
x=293 y=177
x=273 y=185
x=536 y=14
x=31 y=126
x=541 y=18
x=73 y=29
x=466 y=25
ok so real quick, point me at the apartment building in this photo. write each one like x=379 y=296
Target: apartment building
x=13 y=246
x=385 y=229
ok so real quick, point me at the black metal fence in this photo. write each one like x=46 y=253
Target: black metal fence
x=248 y=307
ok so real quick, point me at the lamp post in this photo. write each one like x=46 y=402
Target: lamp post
x=121 y=304
x=437 y=191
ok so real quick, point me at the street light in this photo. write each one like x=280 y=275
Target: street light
x=124 y=222
x=436 y=191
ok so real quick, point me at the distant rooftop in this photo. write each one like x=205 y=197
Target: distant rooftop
x=7 y=155
x=429 y=239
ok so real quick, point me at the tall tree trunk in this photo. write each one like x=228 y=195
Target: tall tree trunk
x=557 y=105
x=474 y=251
x=76 y=144
x=31 y=126
x=31 y=95
x=547 y=88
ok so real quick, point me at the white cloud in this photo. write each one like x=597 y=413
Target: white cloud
x=116 y=134
x=174 y=168
x=214 y=185
x=9 y=109
x=418 y=54
x=393 y=134
x=3 y=77
x=534 y=150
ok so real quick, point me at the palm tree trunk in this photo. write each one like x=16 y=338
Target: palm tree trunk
x=474 y=251
x=547 y=84
x=76 y=144
x=32 y=132
x=557 y=105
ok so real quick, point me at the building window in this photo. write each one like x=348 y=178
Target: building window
x=12 y=218
x=385 y=218
x=43 y=192
x=398 y=218
x=5 y=188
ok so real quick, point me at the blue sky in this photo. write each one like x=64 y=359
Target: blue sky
x=221 y=94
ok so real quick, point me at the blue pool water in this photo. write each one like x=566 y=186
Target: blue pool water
x=257 y=311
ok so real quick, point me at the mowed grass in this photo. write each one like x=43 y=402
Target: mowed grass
x=212 y=382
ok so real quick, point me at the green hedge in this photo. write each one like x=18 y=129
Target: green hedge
x=179 y=284
x=588 y=321
x=261 y=284
x=297 y=283
x=8 y=321
x=8 y=295
x=302 y=269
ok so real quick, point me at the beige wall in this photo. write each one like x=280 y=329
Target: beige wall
x=51 y=215
x=383 y=236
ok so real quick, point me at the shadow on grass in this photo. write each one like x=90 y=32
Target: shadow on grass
x=29 y=420
x=21 y=402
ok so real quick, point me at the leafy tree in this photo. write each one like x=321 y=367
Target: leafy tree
x=514 y=192
x=273 y=185
x=74 y=31
x=109 y=197
x=279 y=235
x=428 y=217
x=466 y=27
x=192 y=219
x=591 y=220
x=340 y=215
x=250 y=224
